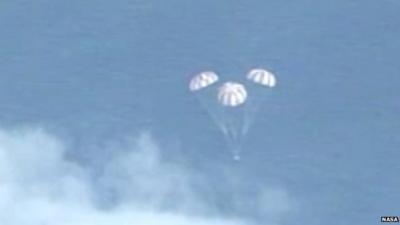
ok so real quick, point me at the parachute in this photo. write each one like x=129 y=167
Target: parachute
x=232 y=94
x=203 y=80
x=260 y=82
x=262 y=77
x=233 y=105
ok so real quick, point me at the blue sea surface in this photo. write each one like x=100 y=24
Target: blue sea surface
x=329 y=134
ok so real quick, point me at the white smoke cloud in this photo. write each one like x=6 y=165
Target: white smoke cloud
x=140 y=175
x=39 y=186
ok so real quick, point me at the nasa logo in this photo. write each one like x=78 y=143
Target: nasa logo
x=390 y=219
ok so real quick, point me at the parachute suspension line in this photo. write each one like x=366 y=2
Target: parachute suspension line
x=250 y=112
x=232 y=136
x=215 y=115
x=235 y=123
x=262 y=79
x=231 y=97
x=258 y=95
x=229 y=106
x=226 y=121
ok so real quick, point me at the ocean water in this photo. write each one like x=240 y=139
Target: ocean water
x=325 y=144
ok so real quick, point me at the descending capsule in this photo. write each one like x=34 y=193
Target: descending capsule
x=232 y=94
x=203 y=80
x=262 y=77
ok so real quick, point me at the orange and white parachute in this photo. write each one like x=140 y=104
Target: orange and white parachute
x=231 y=106
x=232 y=94
x=261 y=76
x=203 y=80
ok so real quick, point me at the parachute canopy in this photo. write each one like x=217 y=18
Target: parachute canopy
x=232 y=94
x=203 y=80
x=262 y=77
x=232 y=107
